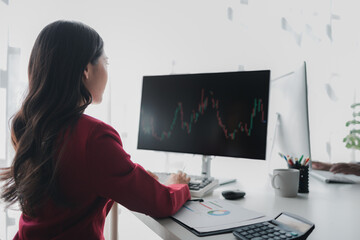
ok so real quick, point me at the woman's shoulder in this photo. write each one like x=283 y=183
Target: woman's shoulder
x=90 y=122
x=89 y=119
x=93 y=128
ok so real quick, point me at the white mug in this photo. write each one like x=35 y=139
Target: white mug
x=285 y=182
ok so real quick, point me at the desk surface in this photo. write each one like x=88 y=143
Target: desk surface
x=334 y=208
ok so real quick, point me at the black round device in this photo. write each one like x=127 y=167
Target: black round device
x=233 y=194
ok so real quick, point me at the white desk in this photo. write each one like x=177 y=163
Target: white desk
x=334 y=208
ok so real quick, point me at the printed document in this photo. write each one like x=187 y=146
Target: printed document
x=215 y=215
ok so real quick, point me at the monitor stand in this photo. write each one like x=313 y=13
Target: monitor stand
x=205 y=171
x=205 y=167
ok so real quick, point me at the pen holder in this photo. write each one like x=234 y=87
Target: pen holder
x=303 y=178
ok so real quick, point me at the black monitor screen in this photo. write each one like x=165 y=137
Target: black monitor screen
x=217 y=114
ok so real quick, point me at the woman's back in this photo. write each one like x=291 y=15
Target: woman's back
x=93 y=170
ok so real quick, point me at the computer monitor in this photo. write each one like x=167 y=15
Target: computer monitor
x=288 y=128
x=211 y=114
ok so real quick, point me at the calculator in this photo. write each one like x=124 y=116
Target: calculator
x=284 y=226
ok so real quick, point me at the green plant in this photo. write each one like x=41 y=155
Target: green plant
x=352 y=140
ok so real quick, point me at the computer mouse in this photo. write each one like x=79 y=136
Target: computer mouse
x=233 y=194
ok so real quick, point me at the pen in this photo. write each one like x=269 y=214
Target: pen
x=196 y=200
x=290 y=162
x=283 y=156
x=301 y=158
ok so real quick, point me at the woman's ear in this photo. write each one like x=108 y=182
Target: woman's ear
x=86 y=72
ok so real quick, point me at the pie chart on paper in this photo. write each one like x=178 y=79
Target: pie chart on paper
x=218 y=212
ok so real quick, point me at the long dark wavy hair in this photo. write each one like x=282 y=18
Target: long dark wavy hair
x=55 y=100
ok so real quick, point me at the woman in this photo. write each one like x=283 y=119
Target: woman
x=69 y=167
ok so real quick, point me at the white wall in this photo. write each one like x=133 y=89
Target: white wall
x=163 y=37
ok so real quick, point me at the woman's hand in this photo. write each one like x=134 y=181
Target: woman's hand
x=321 y=165
x=346 y=168
x=178 y=178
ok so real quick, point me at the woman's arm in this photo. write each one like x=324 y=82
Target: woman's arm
x=115 y=176
x=345 y=168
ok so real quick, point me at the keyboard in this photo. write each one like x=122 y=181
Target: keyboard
x=330 y=177
x=199 y=185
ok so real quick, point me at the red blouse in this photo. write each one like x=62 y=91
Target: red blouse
x=95 y=171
